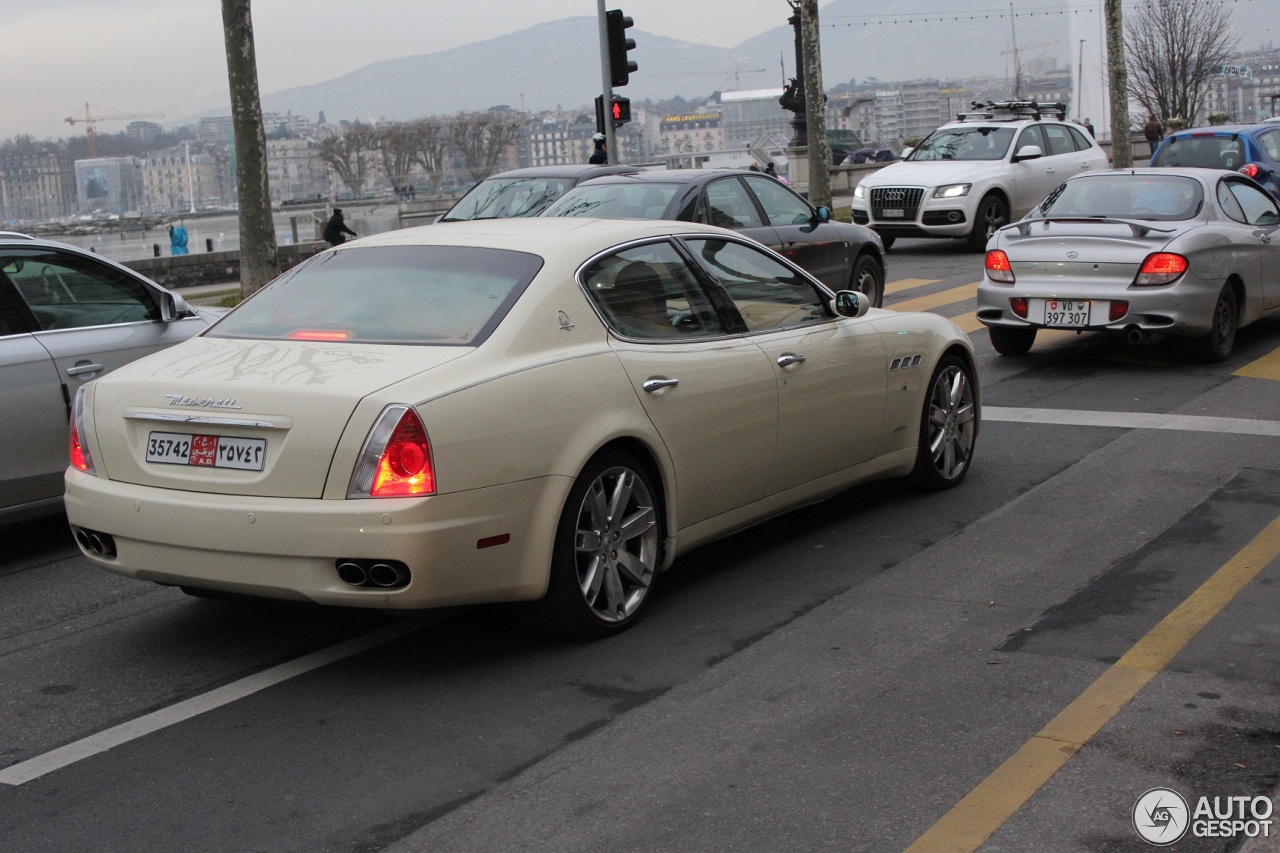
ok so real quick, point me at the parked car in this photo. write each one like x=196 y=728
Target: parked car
x=523 y=192
x=66 y=316
x=973 y=176
x=840 y=255
x=545 y=411
x=1141 y=253
x=1251 y=149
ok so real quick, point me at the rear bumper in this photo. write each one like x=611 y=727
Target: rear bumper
x=289 y=548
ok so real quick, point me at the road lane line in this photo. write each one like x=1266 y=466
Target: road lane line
x=989 y=805
x=1132 y=420
x=1267 y=367
x=908 y=283
x=968 y=322
x=34 y=768
x=937 y=300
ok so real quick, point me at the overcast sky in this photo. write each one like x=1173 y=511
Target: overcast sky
x=159 y=56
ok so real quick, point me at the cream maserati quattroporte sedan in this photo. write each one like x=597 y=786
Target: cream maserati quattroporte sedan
x=541 y=411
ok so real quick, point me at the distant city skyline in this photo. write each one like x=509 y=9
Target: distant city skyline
x=152 y=57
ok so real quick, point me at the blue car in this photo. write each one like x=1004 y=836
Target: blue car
x=1252 y=149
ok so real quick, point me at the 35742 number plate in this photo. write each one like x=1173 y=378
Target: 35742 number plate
x=207 y=451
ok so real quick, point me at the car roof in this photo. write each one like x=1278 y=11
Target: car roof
x=1204 y=176
x=669 y=176
x=1218 y=130
x=571 y=171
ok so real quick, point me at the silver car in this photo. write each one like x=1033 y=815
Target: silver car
x=1143 y=253
x=66 y=316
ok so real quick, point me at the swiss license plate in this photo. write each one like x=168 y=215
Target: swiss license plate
x=1066 y=313
x=892 y=213
x=206 y=451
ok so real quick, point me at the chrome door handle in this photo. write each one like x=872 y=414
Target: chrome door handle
x=655 y=385
x=789 y=359
x=84 y=368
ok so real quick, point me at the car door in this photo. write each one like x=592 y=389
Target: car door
x=830 y=372
x=91 y=316
x=811 y=243
x=1033 y=179
x=33 y=423
x=1258 y=210
x=708 y=392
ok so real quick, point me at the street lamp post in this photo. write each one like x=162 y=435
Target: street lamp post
x=792 y=99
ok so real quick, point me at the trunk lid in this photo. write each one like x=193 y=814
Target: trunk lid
x=1101 y=251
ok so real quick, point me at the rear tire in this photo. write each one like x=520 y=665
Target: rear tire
x=1007 y=341
x=606 y=552
x=948 y=427
x=1217 y=345
x=992 y=214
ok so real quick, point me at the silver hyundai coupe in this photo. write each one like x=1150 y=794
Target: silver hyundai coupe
x=1142 y=253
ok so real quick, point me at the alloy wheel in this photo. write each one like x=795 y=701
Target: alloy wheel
x=951 y=422
x=616 y=544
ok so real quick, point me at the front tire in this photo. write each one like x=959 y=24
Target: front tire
x=867 y=278
x=948 y=427
x=1217 y=345
x=1007 y=341
x=992 y=214
x=606 y=552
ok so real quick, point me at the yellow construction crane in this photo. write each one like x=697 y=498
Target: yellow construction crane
x=90 y=120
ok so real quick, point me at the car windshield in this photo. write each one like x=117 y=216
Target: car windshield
x=1166 y=198
x=387 y=295
x=498 y=198
x=1205 y=152
x=965 y=143
x=636 y=200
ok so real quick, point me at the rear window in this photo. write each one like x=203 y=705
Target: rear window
x=448 y=295
x=1168 y=198
x=616 y=201
x=1202 y=152
x=499 y=198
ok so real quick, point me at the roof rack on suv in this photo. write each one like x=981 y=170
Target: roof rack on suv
x=1012 y=111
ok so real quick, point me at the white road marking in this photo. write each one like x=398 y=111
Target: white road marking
x=34 y=768
x=1131 y=420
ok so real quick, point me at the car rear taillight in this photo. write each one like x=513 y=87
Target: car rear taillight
x=1019 y=306
x=1250 y=170
x=998 y=267
x=1161 y=268
x=395 y=461
x=81 y=460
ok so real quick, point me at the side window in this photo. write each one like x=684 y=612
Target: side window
x=781 y=205
x=1081 y=143
x=1059 y=139
x=1258 y=207
x=1031 y=135
x=10 y=321
x=67 y=291
x=649 y=292
x=1230 y=206
x=1270 y=142
x=729 y=206
x=766 y=293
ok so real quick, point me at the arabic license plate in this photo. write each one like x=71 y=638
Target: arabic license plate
x=892 y=213
x=207 y=451
x=1066 y=313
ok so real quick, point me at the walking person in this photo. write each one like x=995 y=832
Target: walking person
x=336 y=229
x=178 y=239
x=1153 y=131
x=599 y=156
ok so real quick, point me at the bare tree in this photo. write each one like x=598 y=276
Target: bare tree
x=395 y=144
x=430 y=140
x=345 y=153
x=481 y=138
x=259 y=262
x=1172 y=47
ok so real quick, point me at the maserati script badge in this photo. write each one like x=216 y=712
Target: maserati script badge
x=202 y=402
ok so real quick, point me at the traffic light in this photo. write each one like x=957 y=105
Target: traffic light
x=621 y=109
x=620 y=67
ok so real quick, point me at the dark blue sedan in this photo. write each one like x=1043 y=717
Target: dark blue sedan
x=1253 y=149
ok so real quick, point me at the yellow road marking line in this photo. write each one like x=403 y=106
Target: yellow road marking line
x=969 y=322
x=1267 y=367
x=986 y=808
x=908 y=283
x=937 y=300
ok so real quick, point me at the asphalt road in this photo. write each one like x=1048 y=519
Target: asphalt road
x=1007 y=666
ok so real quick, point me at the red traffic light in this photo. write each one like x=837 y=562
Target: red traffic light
x=620 y=110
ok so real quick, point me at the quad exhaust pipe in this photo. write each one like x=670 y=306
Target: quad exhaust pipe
x=374 y=574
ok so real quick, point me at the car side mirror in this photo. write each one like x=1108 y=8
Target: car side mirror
x=1028 y=152
x=172 y=306
x=850 y=303
x=823 y=214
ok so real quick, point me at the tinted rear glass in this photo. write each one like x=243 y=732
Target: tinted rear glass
x=616 y=201
x=1168 y=198
x=388 y=294
x=499 y=198
x=1203 y=152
